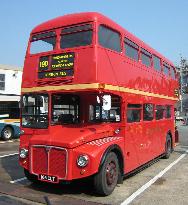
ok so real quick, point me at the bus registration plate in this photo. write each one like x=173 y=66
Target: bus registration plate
x=48 y=178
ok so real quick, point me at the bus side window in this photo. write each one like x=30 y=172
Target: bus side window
x=159 y=112
x=131 y=49
x=146 y=57
x=134 y=112
x=148 y=114
x=166 y=69
x=109 y=38
x=172 y=72
x=167 y=111
x=156 y=63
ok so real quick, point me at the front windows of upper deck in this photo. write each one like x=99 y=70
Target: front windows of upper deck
x=35 y=111
x=43 y=42
x=109 y=38
x=69 y=37
x=76 y=36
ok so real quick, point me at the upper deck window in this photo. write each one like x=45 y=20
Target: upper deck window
x=173 y=74
x=131 y=49
x=76 y=36
x=166 y=69
x=109 y=38
x=146 y=57
x=157 y=63
x=43 y=42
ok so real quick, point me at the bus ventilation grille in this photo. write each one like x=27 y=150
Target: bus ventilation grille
x=54 y=82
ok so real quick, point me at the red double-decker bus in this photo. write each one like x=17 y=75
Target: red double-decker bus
x=96 y=102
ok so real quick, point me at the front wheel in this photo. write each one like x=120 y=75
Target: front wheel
x=106 y=179
x=7 y=133
x=168 y=147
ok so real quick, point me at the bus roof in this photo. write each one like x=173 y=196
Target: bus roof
x=76 y=18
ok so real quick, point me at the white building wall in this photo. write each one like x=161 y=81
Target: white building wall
x=13 y=79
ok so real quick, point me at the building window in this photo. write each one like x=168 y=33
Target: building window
x=146 y=57
x=148 y=112
x=2 y=81
x=131 y=49
x=109 y=38
x=157 y=63
x=134 y=112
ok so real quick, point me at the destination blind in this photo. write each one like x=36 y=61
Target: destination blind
x=61 y=66
x=62 y=61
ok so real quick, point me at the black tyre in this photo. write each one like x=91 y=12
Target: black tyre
x=7 y=133
x=106 y=179
x=32 y=178
x=168 y=147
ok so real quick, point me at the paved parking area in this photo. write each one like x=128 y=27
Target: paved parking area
x=164 y=182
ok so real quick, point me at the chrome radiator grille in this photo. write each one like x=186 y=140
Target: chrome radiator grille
x=49 y=160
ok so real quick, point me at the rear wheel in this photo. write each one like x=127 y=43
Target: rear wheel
x=7 y=133
x=106 y=179
x=168 y=147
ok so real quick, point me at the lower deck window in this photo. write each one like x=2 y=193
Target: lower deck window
x=65 y=109
x=97 y=113
x=35 y=111
x=159 y=112
x=168 y=111
x=134 y=112
x=148 y=112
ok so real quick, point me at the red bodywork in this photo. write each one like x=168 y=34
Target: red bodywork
x=96 y=70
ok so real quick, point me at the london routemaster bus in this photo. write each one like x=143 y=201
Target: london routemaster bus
x=97 y=102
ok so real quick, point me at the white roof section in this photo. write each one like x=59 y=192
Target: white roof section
x=10 y=67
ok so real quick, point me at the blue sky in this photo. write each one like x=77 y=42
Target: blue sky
x=161 y=23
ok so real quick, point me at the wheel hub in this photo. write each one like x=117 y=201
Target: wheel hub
x=111 y=173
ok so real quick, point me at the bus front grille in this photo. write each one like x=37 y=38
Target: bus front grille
x=49 y=160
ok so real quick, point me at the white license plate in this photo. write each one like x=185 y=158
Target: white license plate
x=48 y=178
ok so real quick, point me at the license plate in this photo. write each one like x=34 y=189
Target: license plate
x=48 y=178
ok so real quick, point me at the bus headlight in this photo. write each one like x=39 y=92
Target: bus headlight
x=23 y=153
x=82 y=161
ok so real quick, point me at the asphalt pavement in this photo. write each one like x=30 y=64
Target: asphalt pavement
x=164 y=182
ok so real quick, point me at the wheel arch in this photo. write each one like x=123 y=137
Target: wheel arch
x=169 y=133
x=118 y=151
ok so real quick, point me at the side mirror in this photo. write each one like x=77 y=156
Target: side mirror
x=106 y=102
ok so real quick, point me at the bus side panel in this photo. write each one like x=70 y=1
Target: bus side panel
x=123 y=71
x=133 y=156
